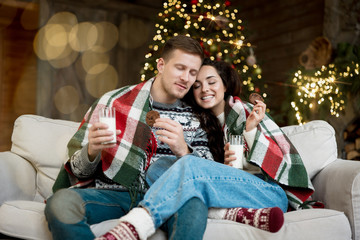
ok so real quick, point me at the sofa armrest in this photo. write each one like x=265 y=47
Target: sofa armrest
x=17 y=178
x=338 y=187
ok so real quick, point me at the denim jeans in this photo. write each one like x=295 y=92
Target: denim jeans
x=217 y=185
x=70 y=212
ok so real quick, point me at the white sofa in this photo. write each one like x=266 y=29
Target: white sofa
x=27 y=173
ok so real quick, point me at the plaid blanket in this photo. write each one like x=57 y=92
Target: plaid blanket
x=136 y=143
x=273 y=152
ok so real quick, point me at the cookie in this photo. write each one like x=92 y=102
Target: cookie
x=151 y=116
x=255 y=96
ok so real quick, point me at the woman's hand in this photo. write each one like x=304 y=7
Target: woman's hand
x=256 y=115
x=229 y=155
x=171 y=133
x=98 y=134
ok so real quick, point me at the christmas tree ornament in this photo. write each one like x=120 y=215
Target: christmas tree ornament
x=221 y=21
x=251 y=59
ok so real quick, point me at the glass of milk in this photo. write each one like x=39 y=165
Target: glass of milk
x=107 y=115
x=236 y=145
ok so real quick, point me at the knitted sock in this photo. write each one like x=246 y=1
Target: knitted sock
x=268 y=219
x=123 y=231
x=135 y=225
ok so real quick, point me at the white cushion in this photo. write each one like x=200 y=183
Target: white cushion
x=17 y=178
x=316 y=143
x=43 y=142
x=24 y=220
x=311 y=224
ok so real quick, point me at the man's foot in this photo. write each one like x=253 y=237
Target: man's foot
x=135 y=225
x=268 y=219
x=123 y=231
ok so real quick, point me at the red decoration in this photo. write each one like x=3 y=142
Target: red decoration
x=227 y=3
x=206 y=53
x=194 y=2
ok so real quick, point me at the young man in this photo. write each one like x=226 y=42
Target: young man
x=112 y=175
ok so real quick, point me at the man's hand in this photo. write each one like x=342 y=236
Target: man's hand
x=171 y=133
x=98 y=134
x=256 y=115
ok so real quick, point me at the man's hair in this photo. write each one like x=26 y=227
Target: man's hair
x=184 y=43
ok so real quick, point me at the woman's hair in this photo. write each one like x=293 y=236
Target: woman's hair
x=184 y=43
x=208 y=121
x=229 y=76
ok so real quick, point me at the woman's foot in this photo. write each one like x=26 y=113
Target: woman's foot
x=268 y=219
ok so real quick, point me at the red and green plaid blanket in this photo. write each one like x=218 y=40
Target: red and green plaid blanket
x=136 y=143
x=273 y=152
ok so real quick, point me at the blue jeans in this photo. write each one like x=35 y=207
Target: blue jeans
x=70 y=212
x=215 y=184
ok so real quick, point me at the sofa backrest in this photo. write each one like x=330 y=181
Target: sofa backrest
x=316 y=143
x=43 y=142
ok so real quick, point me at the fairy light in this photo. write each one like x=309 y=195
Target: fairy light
x=314 y=91
x=221 y=26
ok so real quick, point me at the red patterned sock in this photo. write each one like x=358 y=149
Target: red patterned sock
x=268 y=219
x=123 y=231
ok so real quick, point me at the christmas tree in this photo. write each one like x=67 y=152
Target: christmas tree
x=218 y=28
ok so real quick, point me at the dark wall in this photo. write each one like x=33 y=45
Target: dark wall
x=281 y=31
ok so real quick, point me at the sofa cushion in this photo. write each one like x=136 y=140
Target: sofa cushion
x=43 y=142
x=316 y=144
x=310 y=224
x=17 y=178
x=24 y=220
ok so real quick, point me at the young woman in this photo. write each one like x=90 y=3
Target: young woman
x=273 y=173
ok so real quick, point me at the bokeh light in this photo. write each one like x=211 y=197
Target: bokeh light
x=66 y=59
x=83 y=36
x=101 y=83
x=133 y=33
x=29 y=18
x=107 y=37
x=95 y=63
x=51 y=42
x=66 y=99
x=63 y=42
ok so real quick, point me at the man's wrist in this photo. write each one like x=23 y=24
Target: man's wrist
x=189 y=150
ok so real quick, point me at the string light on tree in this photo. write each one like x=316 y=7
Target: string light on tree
x=216 y=25
x=322 y=90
